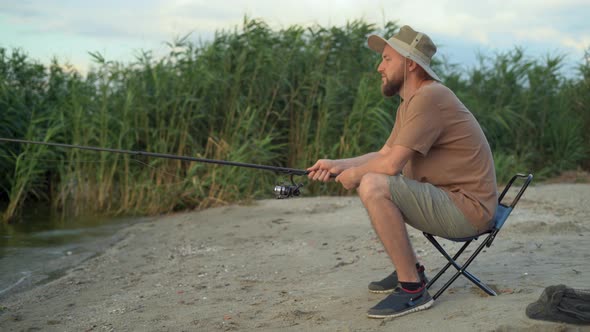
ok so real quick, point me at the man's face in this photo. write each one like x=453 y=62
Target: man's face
x=391 y=69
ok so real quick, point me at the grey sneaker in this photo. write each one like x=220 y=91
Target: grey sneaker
x=401 y=302
x=389 y=283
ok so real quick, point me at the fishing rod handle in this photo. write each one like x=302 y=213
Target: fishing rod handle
x=332 y=175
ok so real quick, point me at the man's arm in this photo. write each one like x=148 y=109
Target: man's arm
x=357 y=161
x=323 y=168
x=389 y=160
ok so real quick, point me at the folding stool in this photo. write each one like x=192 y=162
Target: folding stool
x=502 y=213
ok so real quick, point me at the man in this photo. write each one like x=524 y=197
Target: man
x=448 y=186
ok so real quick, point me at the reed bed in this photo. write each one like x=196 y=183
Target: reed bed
x=253 y=94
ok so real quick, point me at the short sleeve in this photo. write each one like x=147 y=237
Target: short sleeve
x=421 y=125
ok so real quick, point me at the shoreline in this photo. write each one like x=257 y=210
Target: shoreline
x=56 y=256
x=304 y=264
x=58 y=267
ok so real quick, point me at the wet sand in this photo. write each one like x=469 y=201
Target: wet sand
x=304 y=265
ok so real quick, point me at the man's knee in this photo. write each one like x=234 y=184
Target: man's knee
x=373 y=185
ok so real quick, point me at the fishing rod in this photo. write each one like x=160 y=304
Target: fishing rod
x=281 y=191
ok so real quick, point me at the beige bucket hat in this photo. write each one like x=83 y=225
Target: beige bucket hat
x=411 y=44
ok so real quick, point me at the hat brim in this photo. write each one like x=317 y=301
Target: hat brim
x=377 y=44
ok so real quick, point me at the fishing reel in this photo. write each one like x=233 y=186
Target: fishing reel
x=287 y=190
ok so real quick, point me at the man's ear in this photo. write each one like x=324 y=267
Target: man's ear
x=412 y=65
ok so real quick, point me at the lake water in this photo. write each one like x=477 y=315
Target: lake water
x=41 y=247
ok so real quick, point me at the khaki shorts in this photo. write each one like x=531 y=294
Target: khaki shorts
x=428 y=208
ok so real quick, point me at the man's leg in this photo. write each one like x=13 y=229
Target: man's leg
x=389 y=225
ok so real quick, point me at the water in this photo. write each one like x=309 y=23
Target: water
x=42 y=247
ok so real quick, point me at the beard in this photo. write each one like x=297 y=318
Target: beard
x=392 y=86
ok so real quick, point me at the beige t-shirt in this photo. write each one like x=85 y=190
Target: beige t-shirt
x=453 y=152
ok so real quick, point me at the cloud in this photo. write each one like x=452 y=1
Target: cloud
x=502 y=24
x=497 y=24
x=549 y=35
x=581 y=43
x=105 y=19
x=475 y=21
x=23 y=9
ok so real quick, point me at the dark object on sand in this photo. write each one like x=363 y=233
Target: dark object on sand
x=560 y=303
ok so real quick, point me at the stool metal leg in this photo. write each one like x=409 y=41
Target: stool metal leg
x=461 y=269
x=440 y=249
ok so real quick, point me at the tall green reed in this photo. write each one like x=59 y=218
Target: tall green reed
x=527 y=110
x=253 y=94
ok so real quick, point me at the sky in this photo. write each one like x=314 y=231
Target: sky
x=119 y=29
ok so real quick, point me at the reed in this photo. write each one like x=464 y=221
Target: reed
x=253 y=94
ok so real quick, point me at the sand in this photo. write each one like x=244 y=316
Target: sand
x=303 y=265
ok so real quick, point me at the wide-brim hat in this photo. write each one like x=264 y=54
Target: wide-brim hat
x=411 y=44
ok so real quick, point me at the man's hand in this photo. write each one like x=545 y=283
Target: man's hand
x=322 y=169
x=350 y=178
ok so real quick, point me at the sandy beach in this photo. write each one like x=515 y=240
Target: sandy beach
x=304 y=265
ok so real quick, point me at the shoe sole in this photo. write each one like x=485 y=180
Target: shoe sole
x=385 y=291
x=398 y=314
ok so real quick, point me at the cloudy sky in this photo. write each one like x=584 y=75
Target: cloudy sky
x=69 y=29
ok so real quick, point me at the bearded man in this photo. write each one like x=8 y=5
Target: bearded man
x=435 y=172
